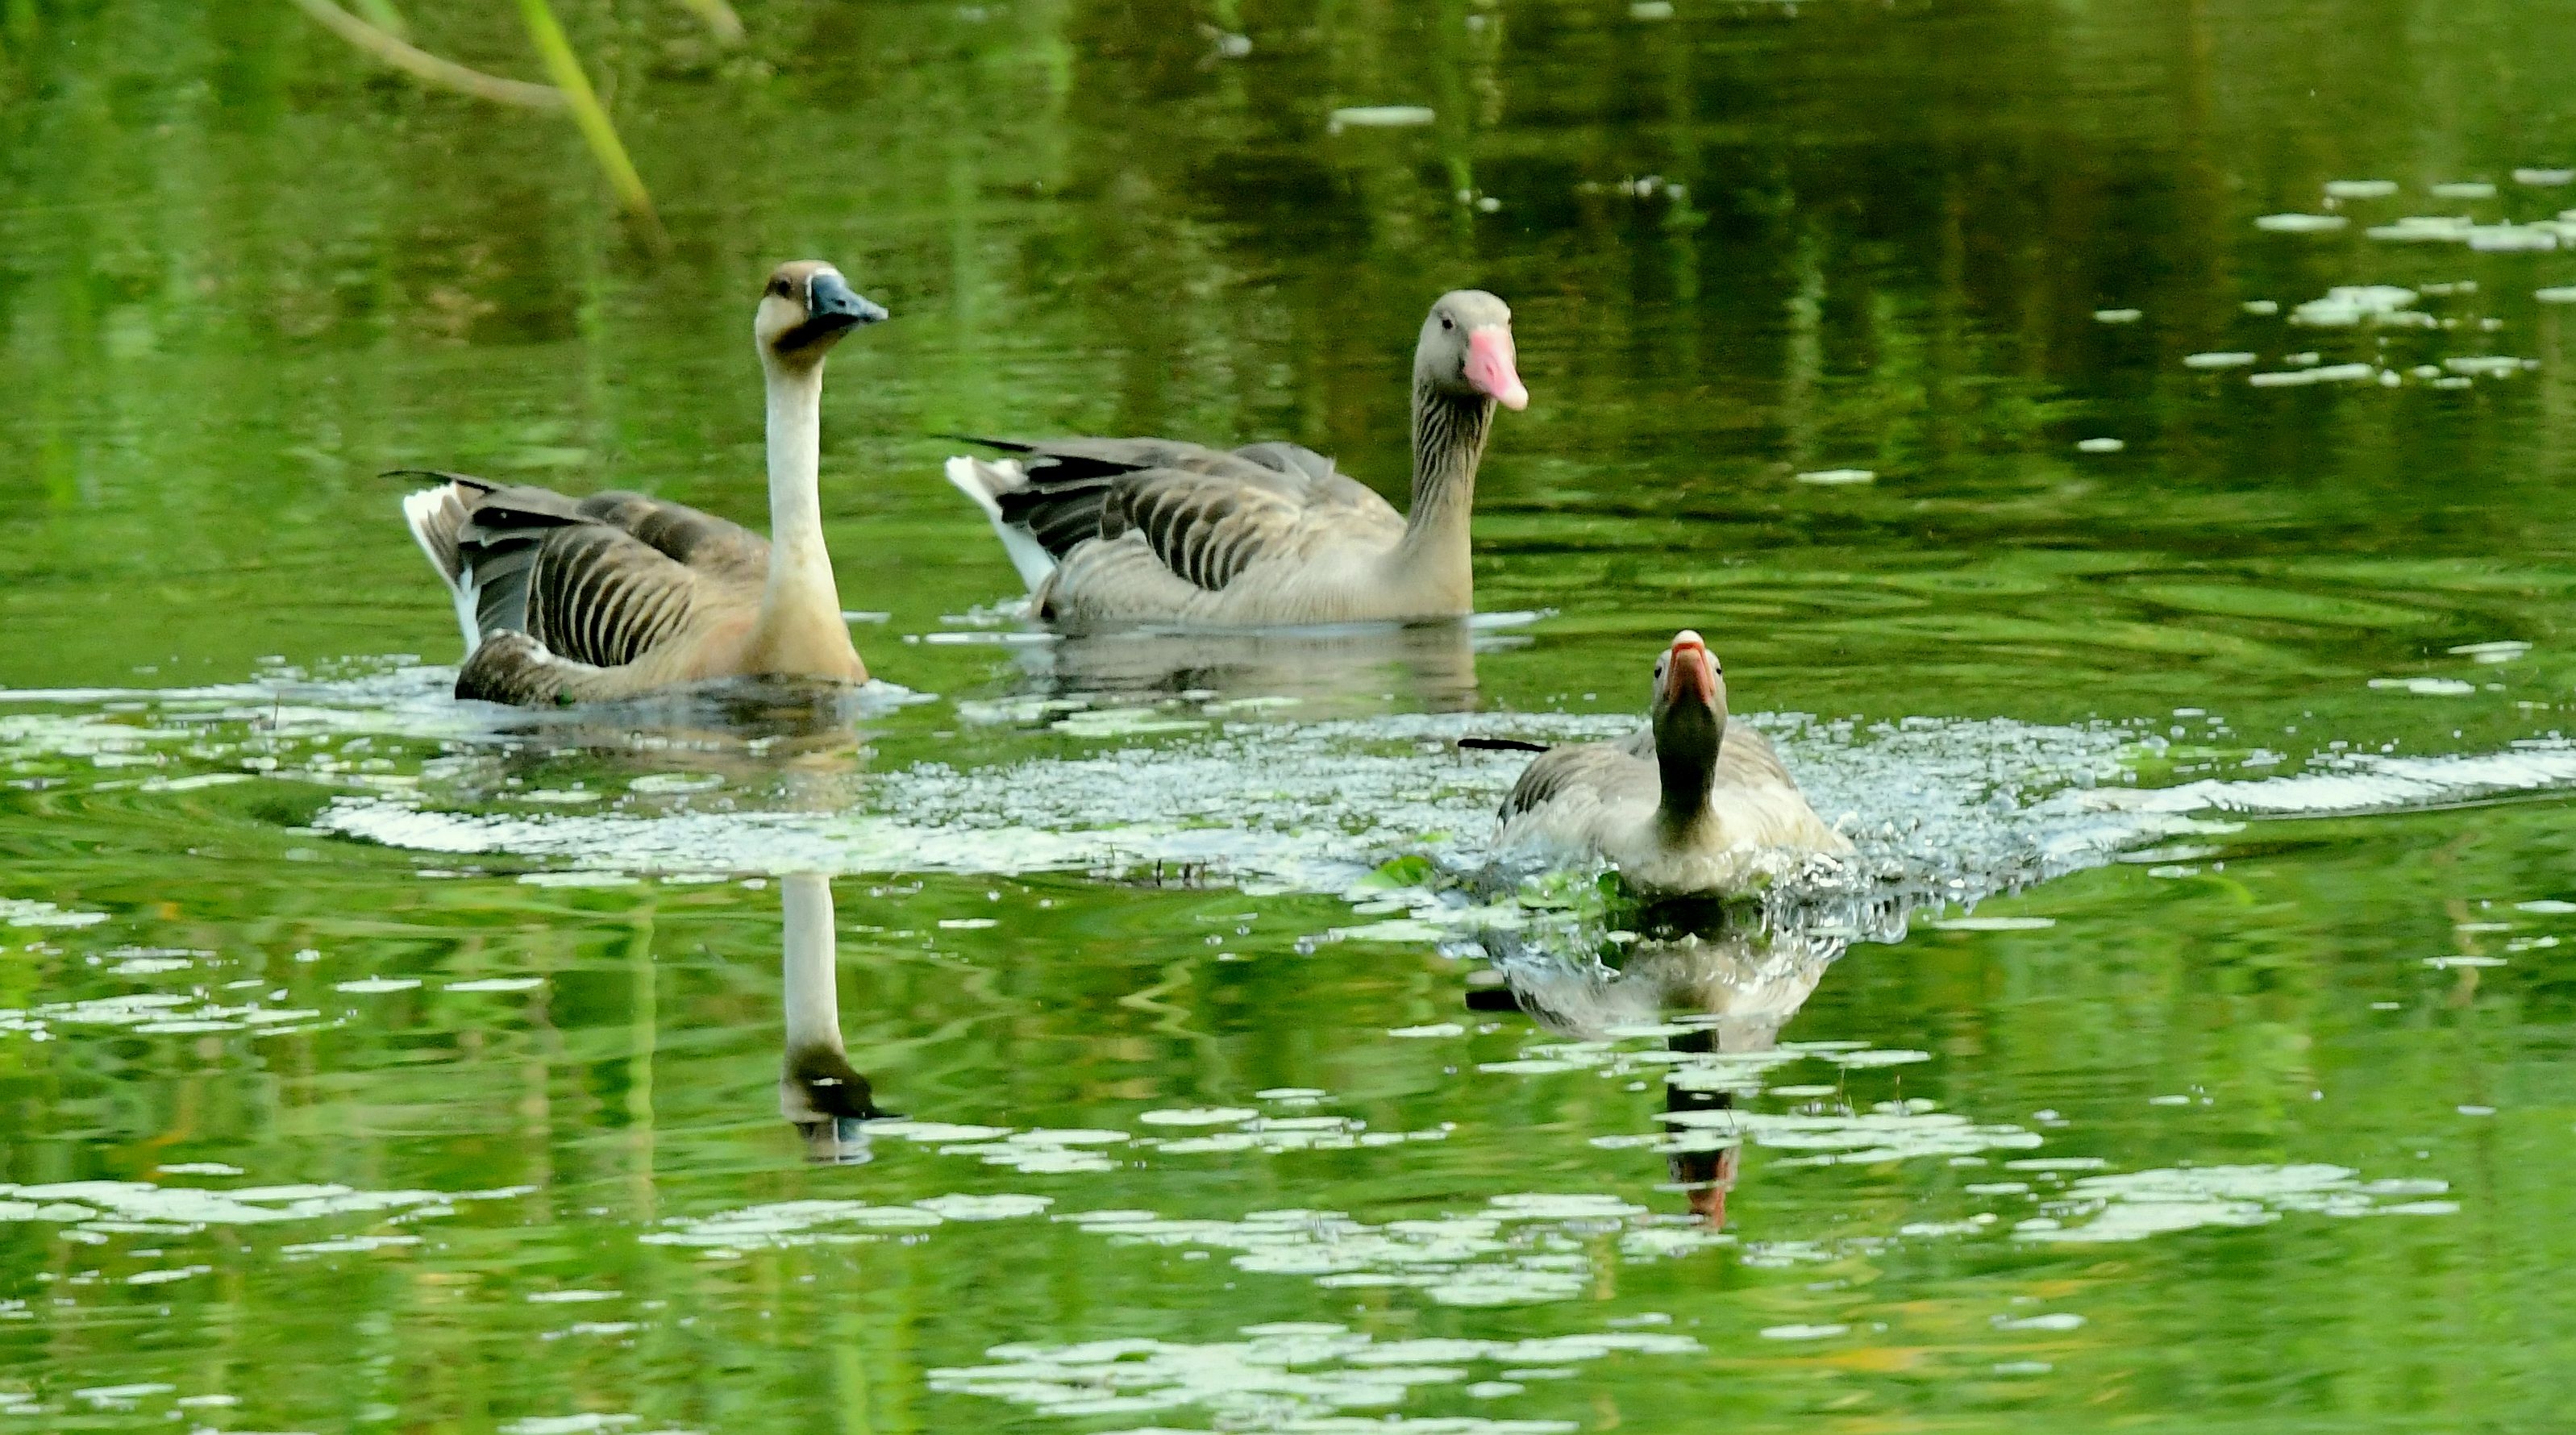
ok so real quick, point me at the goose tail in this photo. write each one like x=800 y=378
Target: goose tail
x=436 y=516
x=985 y=481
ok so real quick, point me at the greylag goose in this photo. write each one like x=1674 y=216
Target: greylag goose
x=568 y=600
x=818 y=1089
x=1686 y=806
x=1108 y=532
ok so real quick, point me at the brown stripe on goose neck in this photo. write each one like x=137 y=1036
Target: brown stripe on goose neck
x=1449 y=433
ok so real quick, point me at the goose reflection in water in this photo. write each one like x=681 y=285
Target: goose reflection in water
x=819 y=1092
x=1430 y=666
x=803 y=738
x=1731 y=985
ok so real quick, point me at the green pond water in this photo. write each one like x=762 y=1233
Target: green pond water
x=2191 y=1051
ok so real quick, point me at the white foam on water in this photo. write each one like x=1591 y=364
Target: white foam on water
x=2301 y=223
x=2136 y=1205
x=1834 y=477
x=108 y=1205
x=1522 y=1249
x=2425 y=229
x=2493 y=366
x=1377 y=117
x=1939 y=809
x=2514 y=238
x=1302 y=1376
x=783 y=1224
x=2328 y=374
x=158 y=1013
x=2360 y=188
x=1865 y=1138
x=2352 y=782
x=586 y=1424
x=18 y=912
x=1200 y=1116
x=2347 y=304
x=1962 y=806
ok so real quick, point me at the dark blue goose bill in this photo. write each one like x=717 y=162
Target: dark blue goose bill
x=831 y=306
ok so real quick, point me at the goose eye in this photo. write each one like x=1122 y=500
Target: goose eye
x=1448 y=323
x=778 y=287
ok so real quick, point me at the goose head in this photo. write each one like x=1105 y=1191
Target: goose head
x=804 y=310
x=1466 y=349
x=1690 y=722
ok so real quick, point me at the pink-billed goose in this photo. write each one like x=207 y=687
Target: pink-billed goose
x=1689 y=805
x=567 y=600
x=1108 y=532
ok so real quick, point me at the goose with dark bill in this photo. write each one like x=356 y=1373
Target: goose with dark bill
x=1692 y=804
x=1114 y=532
x=568 y=600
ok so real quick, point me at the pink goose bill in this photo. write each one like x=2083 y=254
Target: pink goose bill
x=1691 y=670
x=1489 y=367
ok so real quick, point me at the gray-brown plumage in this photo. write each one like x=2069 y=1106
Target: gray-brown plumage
x=1691 y=804
x=569 y=600
x=1108 y=532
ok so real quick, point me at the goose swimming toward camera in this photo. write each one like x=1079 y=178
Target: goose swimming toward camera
x=1118 y=531
x=1690 y=805
x=568 y=600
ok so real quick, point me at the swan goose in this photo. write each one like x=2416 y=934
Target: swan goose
x=1116 y=532
x=1689 y=805
x=567 y=600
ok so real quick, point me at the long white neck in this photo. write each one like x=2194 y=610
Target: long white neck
x=813 y=1005
x=800 y=568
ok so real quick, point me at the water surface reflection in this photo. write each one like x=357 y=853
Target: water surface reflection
x=1426 y=667
x=819 y=1092
x=1724 y=989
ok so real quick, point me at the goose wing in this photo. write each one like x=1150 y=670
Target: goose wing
x=1207 y=513
x=600 y=580
x=1597 y=772
x=1208 y=527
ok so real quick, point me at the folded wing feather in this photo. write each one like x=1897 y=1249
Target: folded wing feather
x=1208 y=514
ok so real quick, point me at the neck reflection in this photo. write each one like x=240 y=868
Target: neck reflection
x=819 y=1092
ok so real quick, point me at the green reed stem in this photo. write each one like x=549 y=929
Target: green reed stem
x=565 y=67
x=383 y=15
x=426 y=67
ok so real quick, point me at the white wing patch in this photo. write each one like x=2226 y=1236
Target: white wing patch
x=434 y=514
x=981 y=479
